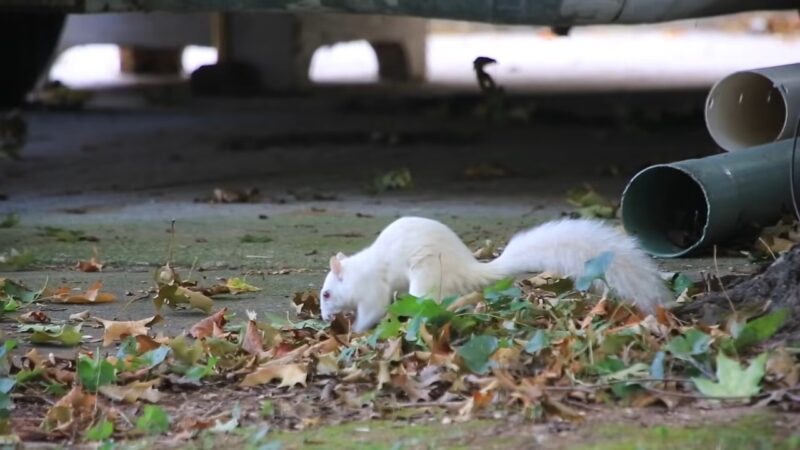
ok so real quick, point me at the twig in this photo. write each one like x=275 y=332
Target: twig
x=493 y=316
x=125 y=417
x=139 y=297
x=695 y=396
x=469 y=299
x=701 y=368
x=583 y=405
x=721 y=284
x=593 y=387
x=764 y=243
x=429 y=404
x=171 y=245
x=191 y=271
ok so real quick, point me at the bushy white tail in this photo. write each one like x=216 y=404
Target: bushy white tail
x=564 y=246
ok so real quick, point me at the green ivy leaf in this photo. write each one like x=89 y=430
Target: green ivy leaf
x=197 y=373
x=95 y=372
x=55 y=389
x=388 y=328
x=657 y=366
x=10 y=305
x=66 y=335
x=594 y=269
x=155 y=357
x=153 y=420
x=638 y=370
x=539 y=341
x=409 y=306
x=26 y=375
x=19 y=292
x=760 y=329
x=6 y=384
x=414 y=327
x=477 y=351
x=501 y=290
x=608 y=365
x=185 y=352
x=693 y=342
x=680 y=283
x=267 y=409
x=100 y=432
x=128 y=347
x=733 y=381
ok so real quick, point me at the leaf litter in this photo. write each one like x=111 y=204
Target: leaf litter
x=538 y=349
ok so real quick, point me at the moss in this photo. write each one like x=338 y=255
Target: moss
x=374 y=435
x=379 y=435
x=296 y=239
x=756 y=432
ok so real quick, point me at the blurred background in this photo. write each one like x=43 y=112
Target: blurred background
x=689 y=53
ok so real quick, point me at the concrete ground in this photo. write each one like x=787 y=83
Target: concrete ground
x=121 y=169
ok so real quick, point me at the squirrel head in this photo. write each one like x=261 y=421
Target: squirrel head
x=335 y=296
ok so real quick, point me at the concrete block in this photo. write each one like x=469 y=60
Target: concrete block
x=279 y=46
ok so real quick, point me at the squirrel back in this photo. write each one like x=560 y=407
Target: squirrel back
x=424 y=257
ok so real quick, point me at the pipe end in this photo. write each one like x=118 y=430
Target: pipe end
x=666 y=210
x=744 y=110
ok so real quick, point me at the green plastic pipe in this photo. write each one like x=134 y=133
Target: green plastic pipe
x=677 y=208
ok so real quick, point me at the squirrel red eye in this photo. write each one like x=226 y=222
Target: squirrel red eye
x=326 y=295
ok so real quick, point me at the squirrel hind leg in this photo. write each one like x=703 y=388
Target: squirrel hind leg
x=426 y=281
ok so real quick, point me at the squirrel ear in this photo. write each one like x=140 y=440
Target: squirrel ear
x=341 y=256
x=336 y=267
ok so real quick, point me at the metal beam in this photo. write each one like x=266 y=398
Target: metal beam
x=523 y=12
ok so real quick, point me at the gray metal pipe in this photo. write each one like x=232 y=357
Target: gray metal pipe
x=674 y=209
x=526 y=12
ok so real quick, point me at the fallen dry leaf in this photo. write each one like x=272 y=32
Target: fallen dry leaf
x=239 y=286
x=92 y=295
x=115 y=330
x=234 y=195
x=306 y=304
x=485 y=171
x=174 y=295
x=145 y=343
x=505 y=358
x=130 y=393
x=781 y=368
x=73 y=412
x=327 y=364
x=251 y=342
x=598 y=310
x=210 y=326
x=93 y=265
x=289 y=374
x=486 y=251
x=37 y=316
x=384 y=377
x=80 y=317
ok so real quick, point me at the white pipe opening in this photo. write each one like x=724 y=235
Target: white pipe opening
x=754 y=107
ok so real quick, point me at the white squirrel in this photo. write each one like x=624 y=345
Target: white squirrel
x=424 y=257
